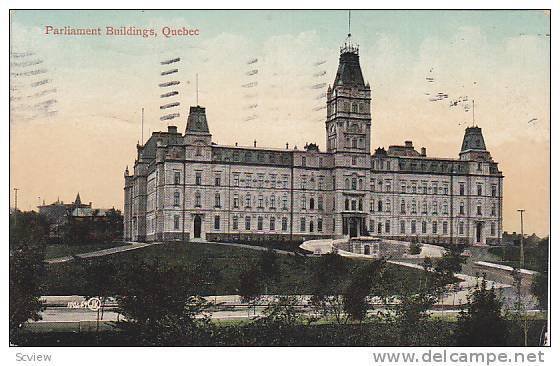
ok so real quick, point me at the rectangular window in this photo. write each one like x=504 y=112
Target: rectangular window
x=387 y=227
x=320 y=225
x=198 y=178
x=302 y=224
x=176 y=199
x=424 y=227
x=434 y=227
x=284 y=224
x=494 y=190
x=461 y=228
x=236 y=201
x=403 y=187
x=216 y=222
x=444 y=227
x=272 y=224
x=236 y=180
x=217 y=181
x=176 y=222
x=413 y=226
x=247 y=222
x=479 y=210
x=177 y=178
x=261 y=201
x=259 y=223
x=461 y=189
x=479 y=189
x=493 y=229
x=403 y=227
x=235 y=223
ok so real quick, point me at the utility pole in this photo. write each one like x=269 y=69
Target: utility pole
x=15 y=206
x=521 y=253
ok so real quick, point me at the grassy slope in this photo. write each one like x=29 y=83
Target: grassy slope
x=64 y=278
x=62 y=250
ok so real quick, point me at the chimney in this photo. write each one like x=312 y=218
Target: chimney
x=423 y=151
x=255 y=143
x=408 y=143
x=286 y=146
x=172 y=129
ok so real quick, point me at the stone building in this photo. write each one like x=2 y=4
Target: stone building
x=186 y=187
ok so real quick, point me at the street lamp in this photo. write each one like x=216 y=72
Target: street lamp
x=521 y=254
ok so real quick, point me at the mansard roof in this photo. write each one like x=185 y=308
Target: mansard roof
x=473 y=139
x=349 y=71
x=196 y=122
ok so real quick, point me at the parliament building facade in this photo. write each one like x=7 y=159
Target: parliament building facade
x=185 y=187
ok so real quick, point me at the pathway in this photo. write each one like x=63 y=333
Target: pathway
x=100 y=253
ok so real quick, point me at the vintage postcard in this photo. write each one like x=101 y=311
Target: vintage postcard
x=339 y=178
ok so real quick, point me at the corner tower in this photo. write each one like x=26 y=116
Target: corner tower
x=348 y=122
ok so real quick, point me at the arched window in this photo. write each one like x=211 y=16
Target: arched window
x=346 y=183
x=346 y=204
x=311 y=203
x=311 y=228
x=379 y=206
x=272 y=224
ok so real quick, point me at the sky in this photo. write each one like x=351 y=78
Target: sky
x=76 y=101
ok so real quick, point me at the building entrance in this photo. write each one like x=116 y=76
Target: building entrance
x=197 y=226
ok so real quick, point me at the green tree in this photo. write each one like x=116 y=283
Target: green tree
x=161 y=306
x=28 y=232
x=269 y=267
x=362 y=284
x=328 y=282
x=481 y=322
x=539 y=286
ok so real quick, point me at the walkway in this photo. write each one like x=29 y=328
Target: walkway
x=100 y=253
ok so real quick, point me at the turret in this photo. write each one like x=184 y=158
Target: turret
x=473 y=147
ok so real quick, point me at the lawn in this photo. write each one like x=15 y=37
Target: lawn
x=223 y=264
x=62 y=250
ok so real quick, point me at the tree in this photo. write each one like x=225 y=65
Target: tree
x=539 y=286
x=27 y=253
x=328 y=282
x=481 y=322
x=161 y=306
x=415 y=248
x=362 y=283
x=269 y=267
x=251 y=286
